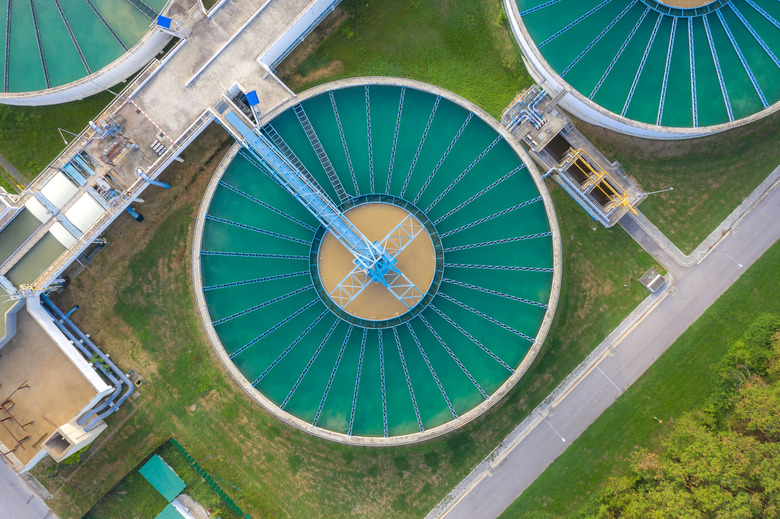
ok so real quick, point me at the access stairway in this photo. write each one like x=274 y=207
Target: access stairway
x=374 y=261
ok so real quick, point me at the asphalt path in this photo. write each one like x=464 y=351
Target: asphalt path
x=497 y=482
x=13 y=172
x=615 y=365
x=18 y=500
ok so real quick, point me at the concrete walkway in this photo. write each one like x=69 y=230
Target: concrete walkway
x=13 y=172
x=693 y=284
x=221 y=52
x=18 y=500
x=648 y=235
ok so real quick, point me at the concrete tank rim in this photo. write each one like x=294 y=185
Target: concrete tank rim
x=377 y=441
x=115 y=72
x=593 y=113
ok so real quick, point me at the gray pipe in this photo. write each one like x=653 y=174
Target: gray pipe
x=117 y=383
x=91 y=425
x=535 y=104
x=80 y=345
x=99 y=353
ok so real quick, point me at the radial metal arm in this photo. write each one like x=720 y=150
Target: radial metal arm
x=374 y=261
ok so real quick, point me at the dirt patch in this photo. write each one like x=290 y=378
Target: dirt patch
x=195 y=508
x=335 y=67
x=417 y=261
x=291 y=63
x=444 y=7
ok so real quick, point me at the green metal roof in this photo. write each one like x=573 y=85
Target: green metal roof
x=169 y=512
x=163 y=478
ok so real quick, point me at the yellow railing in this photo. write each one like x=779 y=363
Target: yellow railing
x=596 y=176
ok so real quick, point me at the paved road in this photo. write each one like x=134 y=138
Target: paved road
x=495 y=484
x=18 y=500
x=13 y=172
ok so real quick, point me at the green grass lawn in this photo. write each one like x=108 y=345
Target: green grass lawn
x=135 y=498
x=7 y=182
x=681 y=380
x=28 y=134
x=710 y=175
x=466 y=47
x=461 y=45
x=137 y=303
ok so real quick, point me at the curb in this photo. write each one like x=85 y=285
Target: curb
x=487 y=466
x=770 y=183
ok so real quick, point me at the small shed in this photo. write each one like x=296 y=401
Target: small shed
x=169 y=512
x=653 y=280
x=162 y=478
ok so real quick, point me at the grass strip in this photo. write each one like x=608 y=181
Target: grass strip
x=29 y=136
x=681 y=380
x=137 y=303
x=464 y=46
x=134 y=497
x=711 y=175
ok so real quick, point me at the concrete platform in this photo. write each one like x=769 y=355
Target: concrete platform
x=57 y=389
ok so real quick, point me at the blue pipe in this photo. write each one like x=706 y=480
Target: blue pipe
x=153 y=182
x=517 y=121
x=524 y=115
x=530 y=107
x=134 y=214
x=534 y=106
x=80 y=345
x=131 y=387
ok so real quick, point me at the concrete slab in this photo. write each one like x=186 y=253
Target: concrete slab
x=57 y=389
x=174 y=100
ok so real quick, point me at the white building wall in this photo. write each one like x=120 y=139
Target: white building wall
x=42 y=317
x=296 y=32
x=125 y=66
x=10 y=320
x=588 y=111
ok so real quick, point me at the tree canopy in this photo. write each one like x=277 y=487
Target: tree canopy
x=720 y=462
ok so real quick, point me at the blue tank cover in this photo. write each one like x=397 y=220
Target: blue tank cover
x=251 y=98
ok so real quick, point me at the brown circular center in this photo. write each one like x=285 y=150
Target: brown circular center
x=417 y=261
x=685 y=3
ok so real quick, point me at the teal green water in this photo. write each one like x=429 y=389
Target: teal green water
x=36 y=261
x=587 y=55
x=63 y=63
x=24 y=68
x=307 y=360
x=13 y=235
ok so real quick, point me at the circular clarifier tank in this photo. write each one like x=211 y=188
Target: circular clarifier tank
x=483 y=257
x=52 y=43
x=659 y=66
